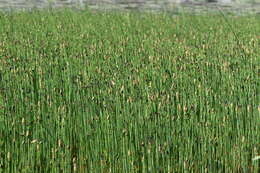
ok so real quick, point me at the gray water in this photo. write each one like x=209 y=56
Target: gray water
x=194 y=6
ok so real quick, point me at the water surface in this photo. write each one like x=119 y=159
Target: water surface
x=194 y=6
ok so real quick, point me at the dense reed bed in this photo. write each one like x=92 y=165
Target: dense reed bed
x=84 y=91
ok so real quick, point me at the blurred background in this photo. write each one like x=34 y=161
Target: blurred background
x=237 y=6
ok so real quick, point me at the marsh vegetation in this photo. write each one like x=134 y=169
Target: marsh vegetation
x=128 y=92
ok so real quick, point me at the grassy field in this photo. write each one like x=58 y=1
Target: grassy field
x=85 y=91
